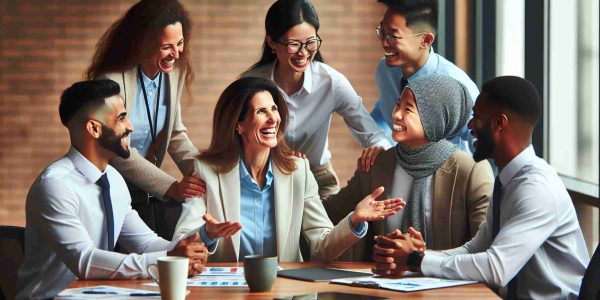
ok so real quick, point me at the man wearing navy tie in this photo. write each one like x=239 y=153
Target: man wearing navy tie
x=531 y=246
x=79 y=206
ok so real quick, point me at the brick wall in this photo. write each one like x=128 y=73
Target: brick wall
x=46 y=45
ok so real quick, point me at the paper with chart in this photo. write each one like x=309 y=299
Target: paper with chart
x=217 y=277
x=106 y=292
x=407 y=284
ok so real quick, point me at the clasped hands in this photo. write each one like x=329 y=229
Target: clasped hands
x=392 y=250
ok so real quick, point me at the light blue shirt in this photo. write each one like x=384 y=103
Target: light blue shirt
x=388 y=81
x=539 y=237
x=141 y=137
x=66 y=230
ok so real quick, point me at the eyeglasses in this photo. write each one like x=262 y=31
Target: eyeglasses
x=293 y=47
x=390 y=38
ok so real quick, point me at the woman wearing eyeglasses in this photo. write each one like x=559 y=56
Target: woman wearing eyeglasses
x=147 y=53
x=312 y=89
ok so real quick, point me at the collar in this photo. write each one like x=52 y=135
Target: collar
x=148 y=81
x=429 y=67
x=307 y=78
x=245 y=175
x=516 y=164
x=84 y=166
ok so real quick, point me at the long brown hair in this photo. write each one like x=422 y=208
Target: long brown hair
x=135 y=36
x=226 y=146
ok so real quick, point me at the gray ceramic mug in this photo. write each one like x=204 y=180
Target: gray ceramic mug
x=260 y=272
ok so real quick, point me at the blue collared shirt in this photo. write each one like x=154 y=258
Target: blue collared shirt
x=141 y=137
x=388 y=81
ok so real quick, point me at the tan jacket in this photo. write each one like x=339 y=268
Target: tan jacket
x=461 y=192
x=298 y=209
x=172 y=139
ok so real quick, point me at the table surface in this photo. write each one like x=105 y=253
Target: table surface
x=288 y=287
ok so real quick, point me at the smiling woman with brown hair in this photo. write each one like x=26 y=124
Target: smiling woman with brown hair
x=147 y=53
x=253 y=183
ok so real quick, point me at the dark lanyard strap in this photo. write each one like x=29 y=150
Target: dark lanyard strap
x=153 y=126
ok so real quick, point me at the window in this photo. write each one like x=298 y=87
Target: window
x=572 y=86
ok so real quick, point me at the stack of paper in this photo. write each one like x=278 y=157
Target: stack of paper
x=407 y=284
x=105 y=291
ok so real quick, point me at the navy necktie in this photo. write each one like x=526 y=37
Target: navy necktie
x=403 y=83
x=108 y=211
x=512 y=285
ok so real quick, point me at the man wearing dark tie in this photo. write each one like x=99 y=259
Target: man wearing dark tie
x=531 y=245
x=79 y=206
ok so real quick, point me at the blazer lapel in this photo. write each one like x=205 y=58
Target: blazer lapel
x=130 y=86
x=229 y=184
x=441 y=208
x=284 y=197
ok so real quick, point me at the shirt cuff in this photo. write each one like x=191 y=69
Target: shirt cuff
x=207 y=241
x=384 y=143
x=431 y=265
x=361 y=231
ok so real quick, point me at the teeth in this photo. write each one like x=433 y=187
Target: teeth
x=399 y=127
x=269 y=131
x=386 y=53
x=300 y=61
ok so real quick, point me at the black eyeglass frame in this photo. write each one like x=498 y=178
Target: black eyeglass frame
x=302 y=45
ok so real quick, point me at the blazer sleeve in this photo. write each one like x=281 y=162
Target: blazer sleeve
x=136 y=169
x=181 y=148
x=341 y=204
x=327 y=242
x=479 y=191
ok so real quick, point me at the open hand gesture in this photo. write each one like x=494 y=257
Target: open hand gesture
x=216 y=229
x=370 y=209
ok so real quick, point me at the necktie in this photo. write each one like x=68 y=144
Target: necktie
x=403 y=83
x=512 y=285
x=108 y=211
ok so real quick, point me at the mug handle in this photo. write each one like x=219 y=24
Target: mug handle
x=152 y=276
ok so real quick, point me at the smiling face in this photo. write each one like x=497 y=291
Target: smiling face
x=170 y=47
x=261 y=124
x=407 y=128
x=115 y=133
x=403 y=51
x=481 y=129
x=297 y=62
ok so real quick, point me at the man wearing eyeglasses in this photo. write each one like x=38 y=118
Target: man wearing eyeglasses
x=407 y=32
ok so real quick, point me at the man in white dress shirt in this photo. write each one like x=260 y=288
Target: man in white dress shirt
x=531 y=245
x=79 y=206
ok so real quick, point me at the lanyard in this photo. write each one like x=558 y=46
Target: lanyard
x=153 y=126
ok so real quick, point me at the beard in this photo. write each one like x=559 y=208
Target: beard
x=110 y=141
x=485 y=144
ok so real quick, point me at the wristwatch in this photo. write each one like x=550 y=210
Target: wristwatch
x=413 y=262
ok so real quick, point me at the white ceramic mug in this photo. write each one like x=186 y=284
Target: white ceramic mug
x=172 y=276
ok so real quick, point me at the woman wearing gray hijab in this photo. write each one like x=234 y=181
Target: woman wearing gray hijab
x=445 y=190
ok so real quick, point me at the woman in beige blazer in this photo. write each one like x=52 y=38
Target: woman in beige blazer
x=446 y=192
x=150 y=44
x=248 y=153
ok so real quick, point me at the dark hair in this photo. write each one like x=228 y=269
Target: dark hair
x=283 y=15
x=84 y=93
x=516 y=94
x=135 y=37
x=226 y=146
x=416 y=11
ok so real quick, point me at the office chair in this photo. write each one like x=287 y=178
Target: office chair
x=590 y=285
x=12 y=253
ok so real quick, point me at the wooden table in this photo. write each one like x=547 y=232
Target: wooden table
x=287 y=287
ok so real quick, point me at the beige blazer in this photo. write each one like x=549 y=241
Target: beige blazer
x=461 y=192
x=172 y=139
x=298 y=209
